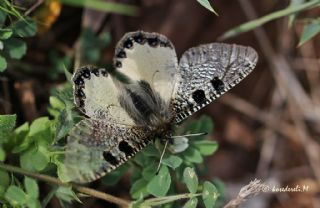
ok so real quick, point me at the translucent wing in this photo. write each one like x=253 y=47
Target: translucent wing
x=207 y=72
x=97 y=96
x=148 y=57
x=96 y=147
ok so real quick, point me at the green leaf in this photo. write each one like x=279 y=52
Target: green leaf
x=4 y=182
x=32 y=188
x=150 y=171
x=139 y=188
x=193 y=155
x=206 y=4
x=33 y=203
x=191 y=203
x=309 y=31
x=209 y=194
x=35 y=159
x=5 y=33
x=190 y=178
x=15 y=195
x=160 y=184
x=206 y=147
x=203 y=124
x=151 y=151
x=104 y=6
x=292 y=17
x=24 y=28
x=3 y=64
x=40 y=159
x=15 y=48
x=7 y=123
x=262 y=20
x=66 y=194
x=2 y=154
x=172 y=161
x=3 y=17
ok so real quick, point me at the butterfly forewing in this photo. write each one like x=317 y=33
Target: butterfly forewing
x=148 y=57
x=207 y=72
x=96 y=147
x=96 y=95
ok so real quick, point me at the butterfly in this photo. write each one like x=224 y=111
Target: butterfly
x=143 y=96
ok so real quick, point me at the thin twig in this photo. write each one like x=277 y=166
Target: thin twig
x=79 y=188
x=33 y=7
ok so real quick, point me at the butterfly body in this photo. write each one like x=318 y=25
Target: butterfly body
x=144 y=96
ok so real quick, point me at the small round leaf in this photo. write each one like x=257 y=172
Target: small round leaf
x=190 y=178
x=209 y=194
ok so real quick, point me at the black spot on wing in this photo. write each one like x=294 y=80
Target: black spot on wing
x=153 y=42
x=217 y=84
x=121 y=54
x=86 y=73
x=128 y=43
x=139 y=38
x=126 y=148
x=199 y=96
x=110 y=158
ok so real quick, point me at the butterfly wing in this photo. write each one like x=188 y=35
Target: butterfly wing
x=207 y=72
x=96 y=147
x=148 y=57
x=97 y=96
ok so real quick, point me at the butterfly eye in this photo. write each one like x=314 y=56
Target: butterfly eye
x=217 y=84
x=110 y=158
x=198 y=96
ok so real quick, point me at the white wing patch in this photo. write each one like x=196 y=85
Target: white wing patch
x=149 y=57
x=97 y=96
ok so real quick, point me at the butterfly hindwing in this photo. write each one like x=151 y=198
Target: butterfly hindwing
x=148 y=57
x=97 y=96
x=96 y=147
x=208 y=71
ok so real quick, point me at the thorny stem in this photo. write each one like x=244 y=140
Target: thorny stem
x=81 y=189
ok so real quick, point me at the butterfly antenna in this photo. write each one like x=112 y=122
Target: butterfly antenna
x=190 y=135
x=161 y=157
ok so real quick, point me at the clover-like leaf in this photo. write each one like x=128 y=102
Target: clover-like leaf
x=3 y=62
x=139 y=188
x=190 y=178
x=209 y=194
x=191 y=203
x=172 y=161
x=24 y=28
x=160 y=184
x=15 y=195
x=31 y=186
x=15 y=48
x=206 y=147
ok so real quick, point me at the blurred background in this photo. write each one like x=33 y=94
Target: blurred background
x=267 y=127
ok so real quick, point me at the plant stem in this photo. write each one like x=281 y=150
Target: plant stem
x=79 y=188
x=168 y=199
